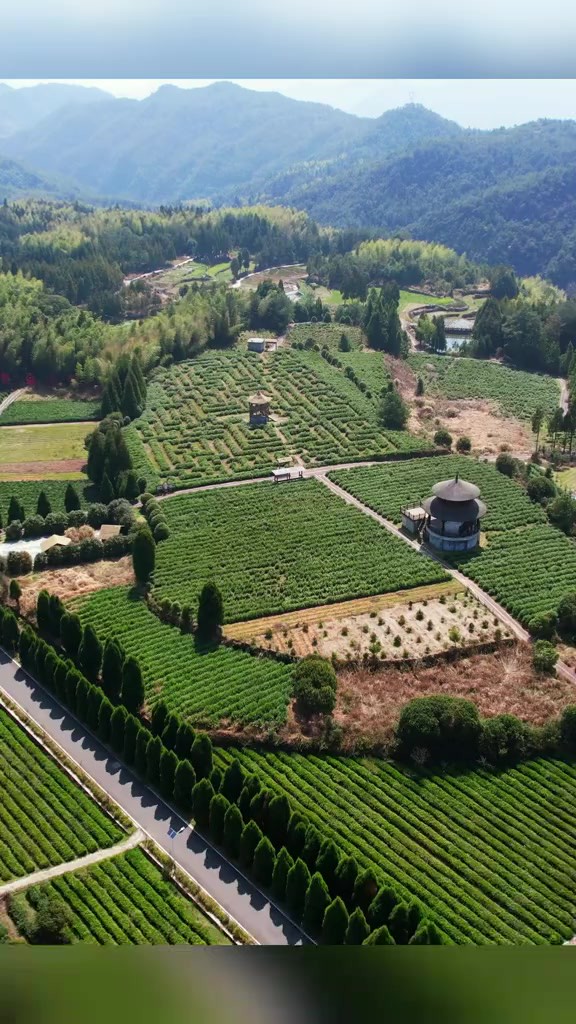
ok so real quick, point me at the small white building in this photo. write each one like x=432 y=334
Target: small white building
x=287 y=473
x=256 y=344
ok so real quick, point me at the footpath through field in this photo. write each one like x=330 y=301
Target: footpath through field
x=134 y=839
x=182 y=843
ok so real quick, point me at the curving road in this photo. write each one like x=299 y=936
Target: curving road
x=188 y=849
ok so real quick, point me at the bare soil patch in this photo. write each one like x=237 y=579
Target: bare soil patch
x=369 y=702
x=478 y=419
x=22 y=470
x=74 y=581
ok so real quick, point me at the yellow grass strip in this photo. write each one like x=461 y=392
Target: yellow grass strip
x=342 y=610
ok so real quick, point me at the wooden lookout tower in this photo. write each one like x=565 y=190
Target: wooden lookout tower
x=259 y=406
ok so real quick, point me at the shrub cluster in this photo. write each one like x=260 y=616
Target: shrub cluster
x=153 y=512
x=315 y=683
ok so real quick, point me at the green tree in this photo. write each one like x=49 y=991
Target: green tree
x=201 y=755
x=10 y=631
x=15 y=592
x=170 y=731
x=43 y=506
x=233 y=826
x=132 y=688
x=365 y=889
x=562 y=513
x=568 y=727
x=71 y=633
x=317 y=900
x=335 y=923
x=233 y=781
x=143 y=555
x=210 y=612
x=153 y=755
x=251 y=836
x=379 y=937
x=71 y=499
x=544 y=657
x=280 y=874
x=106 y=490
x=427 y=934
x=142 y=740
x=104 y=720
x=159 y=716
x=327 y=863
x=218 y=807
x=506 y=464
x=264 y=860
x=43 y=611
x=463 y=445
x=314 y=684
x=277 y=819
x=16 y=511
x=118 y=729
x=53 y=922
x=442 y=438
x=537 y=421
x=345 y=879
x=184 y=782
x=130 y=736
x=112 y=662
x=382 y=906
x=90 y=654
x=168 y=766
x=297 y=882
x=357 y=931
x=311 y=848
x=393 y=411
x=202 y=794
x=184 y=741
x=403 y=922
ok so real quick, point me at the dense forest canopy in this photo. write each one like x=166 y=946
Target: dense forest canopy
x=505 y=196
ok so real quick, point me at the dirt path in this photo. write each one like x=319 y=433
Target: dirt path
x=564 y=394
x=72 y=865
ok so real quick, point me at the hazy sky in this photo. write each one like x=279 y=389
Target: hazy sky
x=476 y=103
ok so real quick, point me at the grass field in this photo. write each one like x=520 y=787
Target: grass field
x=127 y=900
x=566 y=478
x=27 y=492
x=271 y=548
x=56 y=442
x=421 y=299
x=516 y=392
x=491 y=857
x=387 y=488
x=45 y=819
x=195 y=427
x=50 y=410
x=206 y=687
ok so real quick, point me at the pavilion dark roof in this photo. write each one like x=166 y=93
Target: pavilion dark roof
x=456 y=490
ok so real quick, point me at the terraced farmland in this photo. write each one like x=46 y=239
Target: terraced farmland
x=195 y=427
x=50 y=410
x=517 y=392
x=272 y=548
x=126 y=900
x=387 y=488
x=491 y=857
x=528 y=571
x=45 y=819
x=206 y=687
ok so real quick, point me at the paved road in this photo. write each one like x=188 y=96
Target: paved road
x=220 y=879
x=12 y=397
x=73 y=865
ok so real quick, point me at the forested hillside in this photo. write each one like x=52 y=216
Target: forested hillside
x=503 y=196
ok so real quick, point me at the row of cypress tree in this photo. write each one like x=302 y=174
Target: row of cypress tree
x=334 y=900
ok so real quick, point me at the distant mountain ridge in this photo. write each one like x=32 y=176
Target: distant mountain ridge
x=507 y=195
x=24 y=107
x=182 y=144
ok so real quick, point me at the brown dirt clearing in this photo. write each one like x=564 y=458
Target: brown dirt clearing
x=369 y=702
x=74 y=581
